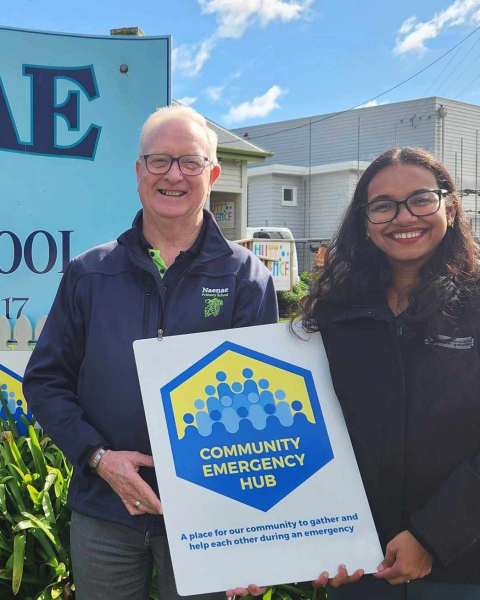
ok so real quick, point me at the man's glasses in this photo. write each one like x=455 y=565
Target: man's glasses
x=419 y=204
x=189 y=164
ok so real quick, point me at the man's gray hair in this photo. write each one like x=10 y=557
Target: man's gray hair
x=178 y=112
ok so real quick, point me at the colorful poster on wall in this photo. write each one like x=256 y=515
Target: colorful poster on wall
x=71 y=110
x=281 y=269
x=224 y=213
x=256 y=471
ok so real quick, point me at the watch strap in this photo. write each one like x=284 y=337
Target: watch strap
x=97 y=458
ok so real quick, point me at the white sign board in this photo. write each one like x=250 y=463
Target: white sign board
x=224 y=213
x=255 y=467
x=280 y=250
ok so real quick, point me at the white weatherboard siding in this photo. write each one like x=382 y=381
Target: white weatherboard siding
x=330 y=196
x=288 y=216
x=231 y=186
x=260 y=201
x=335 y=143
x=462 y=121
x=230 y=179
x=336 y=139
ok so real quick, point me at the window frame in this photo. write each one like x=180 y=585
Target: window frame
x=294 y=195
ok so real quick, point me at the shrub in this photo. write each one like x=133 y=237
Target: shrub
x=299 y=591
x=34 y=518
x=307 y=277
x=289 y=301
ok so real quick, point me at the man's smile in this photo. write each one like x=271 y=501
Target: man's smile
x=176 y=193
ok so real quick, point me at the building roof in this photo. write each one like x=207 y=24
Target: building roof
x=229 y=141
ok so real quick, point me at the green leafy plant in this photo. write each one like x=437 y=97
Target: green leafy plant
x=34 y=517
x=298 y=591
x=289 y=301
x=307 y=277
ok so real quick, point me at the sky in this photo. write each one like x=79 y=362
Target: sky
x=245 y=62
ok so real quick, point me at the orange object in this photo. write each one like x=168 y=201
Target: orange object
x=319 y=257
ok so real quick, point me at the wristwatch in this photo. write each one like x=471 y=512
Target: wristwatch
x=97 y=458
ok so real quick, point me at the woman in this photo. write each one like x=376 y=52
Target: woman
x=398 y=308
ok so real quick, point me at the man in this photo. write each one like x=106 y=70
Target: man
x=81 y=382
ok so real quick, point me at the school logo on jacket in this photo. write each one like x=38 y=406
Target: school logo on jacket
x=213 y=300
x=13 y=403
x=212 y=307
x=246 y=425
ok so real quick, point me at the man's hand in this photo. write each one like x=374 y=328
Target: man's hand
x=341 y=578
x=252 y=589
x=406 y=559
x=120 y=471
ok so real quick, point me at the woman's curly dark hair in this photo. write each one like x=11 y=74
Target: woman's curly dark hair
x=354 y=266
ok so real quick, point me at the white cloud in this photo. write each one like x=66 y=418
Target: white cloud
x=191 y=58
x=233 y=18
x=187 y=100
x=214 y=93
x=372 y=103
x=260 y=106
x=412 y=35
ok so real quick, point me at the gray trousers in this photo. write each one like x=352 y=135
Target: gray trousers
x=111 y=562
x=369 y=588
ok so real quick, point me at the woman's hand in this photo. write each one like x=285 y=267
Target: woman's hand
x=340 y=578
x=406 y=559
x=252 y=589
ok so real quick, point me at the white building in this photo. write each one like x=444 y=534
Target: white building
x=228 y=200
x=316 y=161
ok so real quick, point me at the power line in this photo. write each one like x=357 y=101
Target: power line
x=342 y=112
x=456 y=67
x=414 y=108
x=465 y=70
x=466 y=88
x=431 y=86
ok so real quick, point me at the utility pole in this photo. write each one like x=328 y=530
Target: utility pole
x=442 y=113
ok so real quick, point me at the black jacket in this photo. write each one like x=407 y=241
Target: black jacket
x=81 y=382
x=413 y=412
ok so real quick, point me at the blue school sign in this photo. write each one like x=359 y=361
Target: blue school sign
x=71 y=110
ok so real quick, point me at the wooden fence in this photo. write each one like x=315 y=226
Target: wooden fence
x=22 y=337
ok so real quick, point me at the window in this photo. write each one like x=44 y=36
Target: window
x=289 y=195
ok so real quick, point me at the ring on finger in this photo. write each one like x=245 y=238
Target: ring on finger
x=136 y=504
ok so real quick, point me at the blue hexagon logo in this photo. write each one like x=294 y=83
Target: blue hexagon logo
x=246 y=425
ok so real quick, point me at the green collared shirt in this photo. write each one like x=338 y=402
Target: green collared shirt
x=158 y=261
